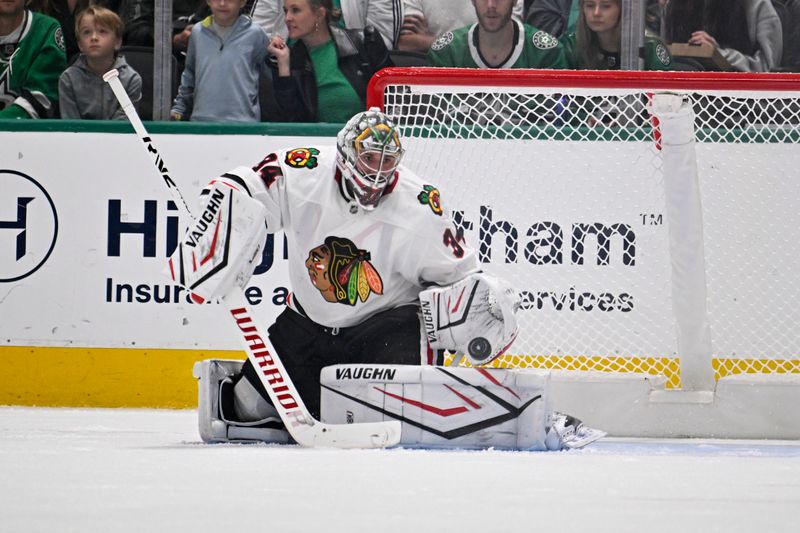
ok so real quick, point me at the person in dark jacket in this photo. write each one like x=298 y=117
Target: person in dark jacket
x=322 y=76
x=747 y=33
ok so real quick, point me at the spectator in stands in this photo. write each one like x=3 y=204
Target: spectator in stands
x=496 y=41
x=384 y=15
x=560 y=17
x=31 y=60
x=220 y=81
x=747 y=33
x=64 y=11
x=82 y=93
x=424 y=20
x=323 y=76
x=597 y=43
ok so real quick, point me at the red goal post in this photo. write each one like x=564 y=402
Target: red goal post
x=558 y=179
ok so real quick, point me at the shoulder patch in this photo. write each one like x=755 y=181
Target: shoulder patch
x=59 y=38
x=543 y=40
x=442 y=41
x=663 y=54
x=302 y=158
x=430 y=196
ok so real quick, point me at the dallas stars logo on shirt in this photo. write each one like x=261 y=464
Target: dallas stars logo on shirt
x=342 y=273
x=663 y=54
x=543 y=40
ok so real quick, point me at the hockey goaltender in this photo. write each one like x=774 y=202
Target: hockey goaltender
x=383 y=283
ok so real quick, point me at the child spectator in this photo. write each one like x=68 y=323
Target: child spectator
x=220 y=81
x=82 y=92
x=597 y=43
x=31 y=59
x=323 y=75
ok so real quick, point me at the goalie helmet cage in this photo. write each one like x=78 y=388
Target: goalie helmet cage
x=559 y=179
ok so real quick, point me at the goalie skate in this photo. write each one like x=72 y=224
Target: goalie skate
x=567 y=432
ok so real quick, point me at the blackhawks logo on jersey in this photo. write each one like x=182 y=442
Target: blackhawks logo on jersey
x=342 y=273
x=302 y=157
x=430 y=196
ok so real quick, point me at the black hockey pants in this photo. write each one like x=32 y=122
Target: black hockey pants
x=305 y=347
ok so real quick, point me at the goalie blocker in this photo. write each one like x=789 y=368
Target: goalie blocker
x=220 y=249
x=439 y=407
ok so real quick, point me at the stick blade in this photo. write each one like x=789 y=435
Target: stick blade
x=366 y=435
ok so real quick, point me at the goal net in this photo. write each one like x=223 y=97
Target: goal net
x=557 y=178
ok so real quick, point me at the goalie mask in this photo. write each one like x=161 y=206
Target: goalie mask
x=369 y=152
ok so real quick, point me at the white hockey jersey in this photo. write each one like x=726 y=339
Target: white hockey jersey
x=346 y=265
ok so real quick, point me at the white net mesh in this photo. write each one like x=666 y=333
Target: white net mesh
x=562 y=192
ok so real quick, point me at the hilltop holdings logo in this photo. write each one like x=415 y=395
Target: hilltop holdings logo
x=28 y=225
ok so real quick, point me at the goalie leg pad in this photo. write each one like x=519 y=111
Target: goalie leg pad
x=443 y=407
x=223 y=245
x=474 y=317
x=221 y=400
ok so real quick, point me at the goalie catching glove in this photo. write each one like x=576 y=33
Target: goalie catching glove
x=222 y=246
x=474 y=317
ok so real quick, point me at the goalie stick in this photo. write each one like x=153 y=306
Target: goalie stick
x=303 y=428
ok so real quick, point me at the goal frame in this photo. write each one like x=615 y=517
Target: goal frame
x=607 y=79
x=736 y=406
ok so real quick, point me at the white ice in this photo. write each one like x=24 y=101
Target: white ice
x=109 y=470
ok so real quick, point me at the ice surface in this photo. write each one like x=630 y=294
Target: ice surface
x=119 y=470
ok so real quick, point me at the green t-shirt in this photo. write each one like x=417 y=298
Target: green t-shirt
x=533 y=48
x=30 y=67
x=656 y=55
x=337 y=101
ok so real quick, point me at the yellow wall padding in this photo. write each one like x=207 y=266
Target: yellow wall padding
x=101 y=377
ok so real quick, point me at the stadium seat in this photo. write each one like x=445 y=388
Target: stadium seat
x=403 y=58
x=141 y=59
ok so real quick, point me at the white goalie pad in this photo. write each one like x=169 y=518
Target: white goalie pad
x=442 y=407
x=221 y=248
x=474 y=317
